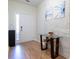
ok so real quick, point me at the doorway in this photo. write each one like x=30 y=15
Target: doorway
x=24 y=27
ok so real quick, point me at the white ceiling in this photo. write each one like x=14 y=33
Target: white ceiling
x=32 y=2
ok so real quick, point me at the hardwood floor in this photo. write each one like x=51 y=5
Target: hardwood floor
x=29 y=50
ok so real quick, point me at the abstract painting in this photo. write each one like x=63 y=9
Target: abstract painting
x=59 y=10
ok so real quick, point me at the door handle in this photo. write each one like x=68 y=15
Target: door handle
x=21 y=28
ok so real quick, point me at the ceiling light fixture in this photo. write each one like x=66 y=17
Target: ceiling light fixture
x=27 y=0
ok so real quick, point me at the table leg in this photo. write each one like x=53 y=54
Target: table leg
x=46 y=43
x=52 y=48
x=41 y=43
x=57 y=47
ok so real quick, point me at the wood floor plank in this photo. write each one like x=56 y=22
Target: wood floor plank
x=29 y=50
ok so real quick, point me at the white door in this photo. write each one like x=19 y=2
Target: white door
x=25 y=28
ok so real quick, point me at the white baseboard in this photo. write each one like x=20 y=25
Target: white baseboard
x=37 y=40
x=22 y=41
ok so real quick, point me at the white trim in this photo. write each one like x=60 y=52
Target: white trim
x=22 y=41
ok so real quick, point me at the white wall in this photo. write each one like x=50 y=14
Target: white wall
x=21 y=8
x=59 y=26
